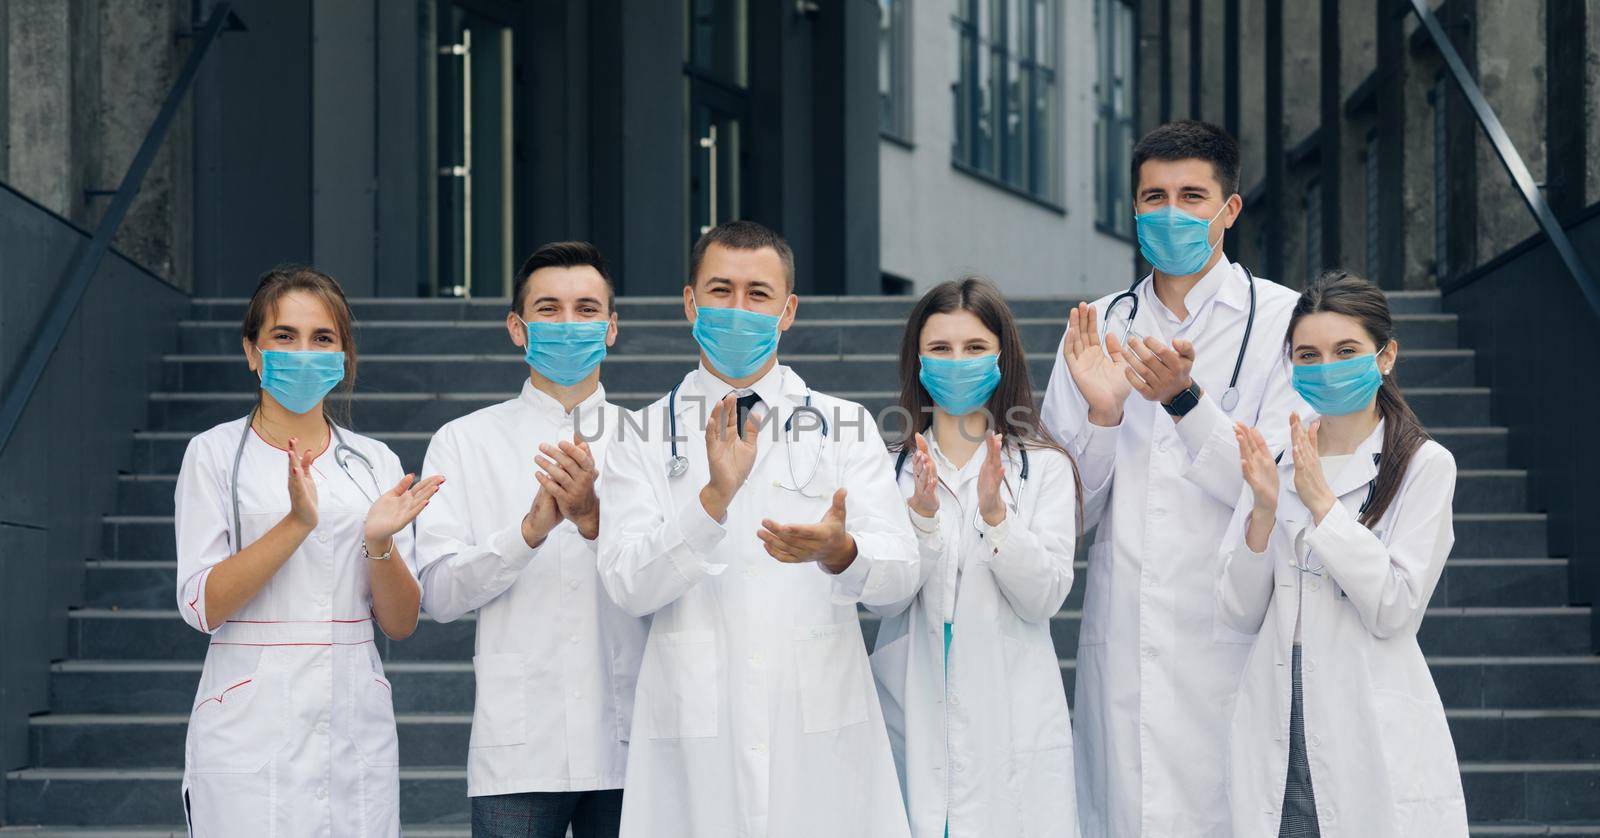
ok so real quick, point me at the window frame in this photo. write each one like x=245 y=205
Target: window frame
x=895 y=123
x=1023 y=159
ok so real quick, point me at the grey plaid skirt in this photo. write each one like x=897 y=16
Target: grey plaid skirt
x=1299 y=804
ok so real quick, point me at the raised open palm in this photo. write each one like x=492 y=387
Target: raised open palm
x=1101 y=373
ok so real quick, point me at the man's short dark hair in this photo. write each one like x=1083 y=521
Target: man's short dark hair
x=1191 y=139
x=742 y=235
x=562 y=255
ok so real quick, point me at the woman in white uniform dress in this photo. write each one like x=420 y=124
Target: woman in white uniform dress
x=293 y=539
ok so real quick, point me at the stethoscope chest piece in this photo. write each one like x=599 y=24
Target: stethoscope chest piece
x=677 y=464
x=1230 y=399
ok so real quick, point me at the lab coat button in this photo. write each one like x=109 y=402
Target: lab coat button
x=1315 y=586
x=573 y=584
x=955 y=699
x=322 y=792
x=960 y=766
x=1311 y=665
x=760 y=748
x=1158 y=512
x=1151 y=651
x=573 y=639
x=1316 y=741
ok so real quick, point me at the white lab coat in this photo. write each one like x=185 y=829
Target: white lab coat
x=755 y=714
x=292 y=732
x=555 y=659
x=986 y=743
x=1382 y=762
x=1157 y=667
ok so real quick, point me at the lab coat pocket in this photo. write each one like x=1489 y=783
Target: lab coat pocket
x=1411 y=733
x=499 y=715
x=1221 y=632
x=371 y=716
x=238 y=723
x=1037 y=696
x=683 y=694
x=833 y=691
x=1092 y=631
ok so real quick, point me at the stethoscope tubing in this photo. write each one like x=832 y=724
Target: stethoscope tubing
x=1132 y=296
x=341 y=454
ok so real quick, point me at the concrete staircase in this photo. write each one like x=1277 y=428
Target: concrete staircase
x=1509 y=655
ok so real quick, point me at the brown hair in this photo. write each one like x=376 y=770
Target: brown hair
x=1342 y=292
x=562 y=255
x=1190 y=139
x=283 y=280
x=1010 y=407
x=741 y=235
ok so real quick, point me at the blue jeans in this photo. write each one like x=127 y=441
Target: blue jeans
x=546 y=814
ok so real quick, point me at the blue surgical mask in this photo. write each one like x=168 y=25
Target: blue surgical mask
x=960 y=385
x=566 y=352
x=1175 y=242
x=299 y=380
x=1339 y=387
x=736 y=342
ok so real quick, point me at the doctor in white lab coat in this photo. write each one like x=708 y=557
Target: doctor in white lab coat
x=969 y=678
x=293 y=539
x=755 y=713
x=515 y=541
x=1330 y=562
x=1157 y=667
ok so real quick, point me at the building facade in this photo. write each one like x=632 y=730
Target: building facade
x=418 y=147
x=1359 y=149
x=1005 y=130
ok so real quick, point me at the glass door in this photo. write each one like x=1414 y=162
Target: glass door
x=719 y=112
x=475 y=172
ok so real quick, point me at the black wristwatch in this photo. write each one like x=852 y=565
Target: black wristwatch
x=1185 y=401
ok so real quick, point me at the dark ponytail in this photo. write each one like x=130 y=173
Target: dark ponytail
x=1342 y=292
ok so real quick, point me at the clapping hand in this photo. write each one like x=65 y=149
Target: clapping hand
x=924 y=498
x=1258 y=467
x=825 y=541
x=568 y=476
x=730 y=453
x=1309 y=481
x=990 y=475
x=1158 y=371
x=395 y=509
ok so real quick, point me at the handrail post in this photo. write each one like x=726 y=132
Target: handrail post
x=1508 y=155
x=83 y=267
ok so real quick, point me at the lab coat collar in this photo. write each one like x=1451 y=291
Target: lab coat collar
x=775 y=388
x=1357 y=472
x=544 y=403
x=1225 y=282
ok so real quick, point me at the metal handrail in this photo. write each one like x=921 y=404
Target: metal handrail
x=1507 y=152
x=19 y=390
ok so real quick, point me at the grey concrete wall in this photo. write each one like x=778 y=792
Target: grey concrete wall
x=1252 y=93
x=1418 y=179
x=1511 y=66
x=1302 y=53
x=60 y=466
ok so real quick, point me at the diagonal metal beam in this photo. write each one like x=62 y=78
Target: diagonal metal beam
x=83 y=267
x=1507 y=152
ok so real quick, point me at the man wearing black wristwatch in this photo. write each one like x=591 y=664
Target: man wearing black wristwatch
x=1201 y=343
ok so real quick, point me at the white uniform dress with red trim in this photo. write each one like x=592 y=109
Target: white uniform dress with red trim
x=292 y=732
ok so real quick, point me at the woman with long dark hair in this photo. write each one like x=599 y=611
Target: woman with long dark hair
x=966 y=670
x=1331 y=559
x=293 y=538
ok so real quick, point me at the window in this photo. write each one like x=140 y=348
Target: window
x=894 y=56
x=1005 y=93
x=476 y=164
x=1441 y=180
x=1313 y=230
x=1113 y=136
x=1372 y=205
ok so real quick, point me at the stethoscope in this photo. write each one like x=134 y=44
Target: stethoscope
x=342 y=454
x=1230 y=397
x=678 y=464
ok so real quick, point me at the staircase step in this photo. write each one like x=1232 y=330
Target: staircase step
x=1511 y=534
x=161 y=452
x=151 y=583
x=1546 y=792
x=426 y=411
x=157 y=741
x=152 y=796
x=1514 y=829
x=180 y=831
x=160 y=634
x=1540 y=735
x=168 y=686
